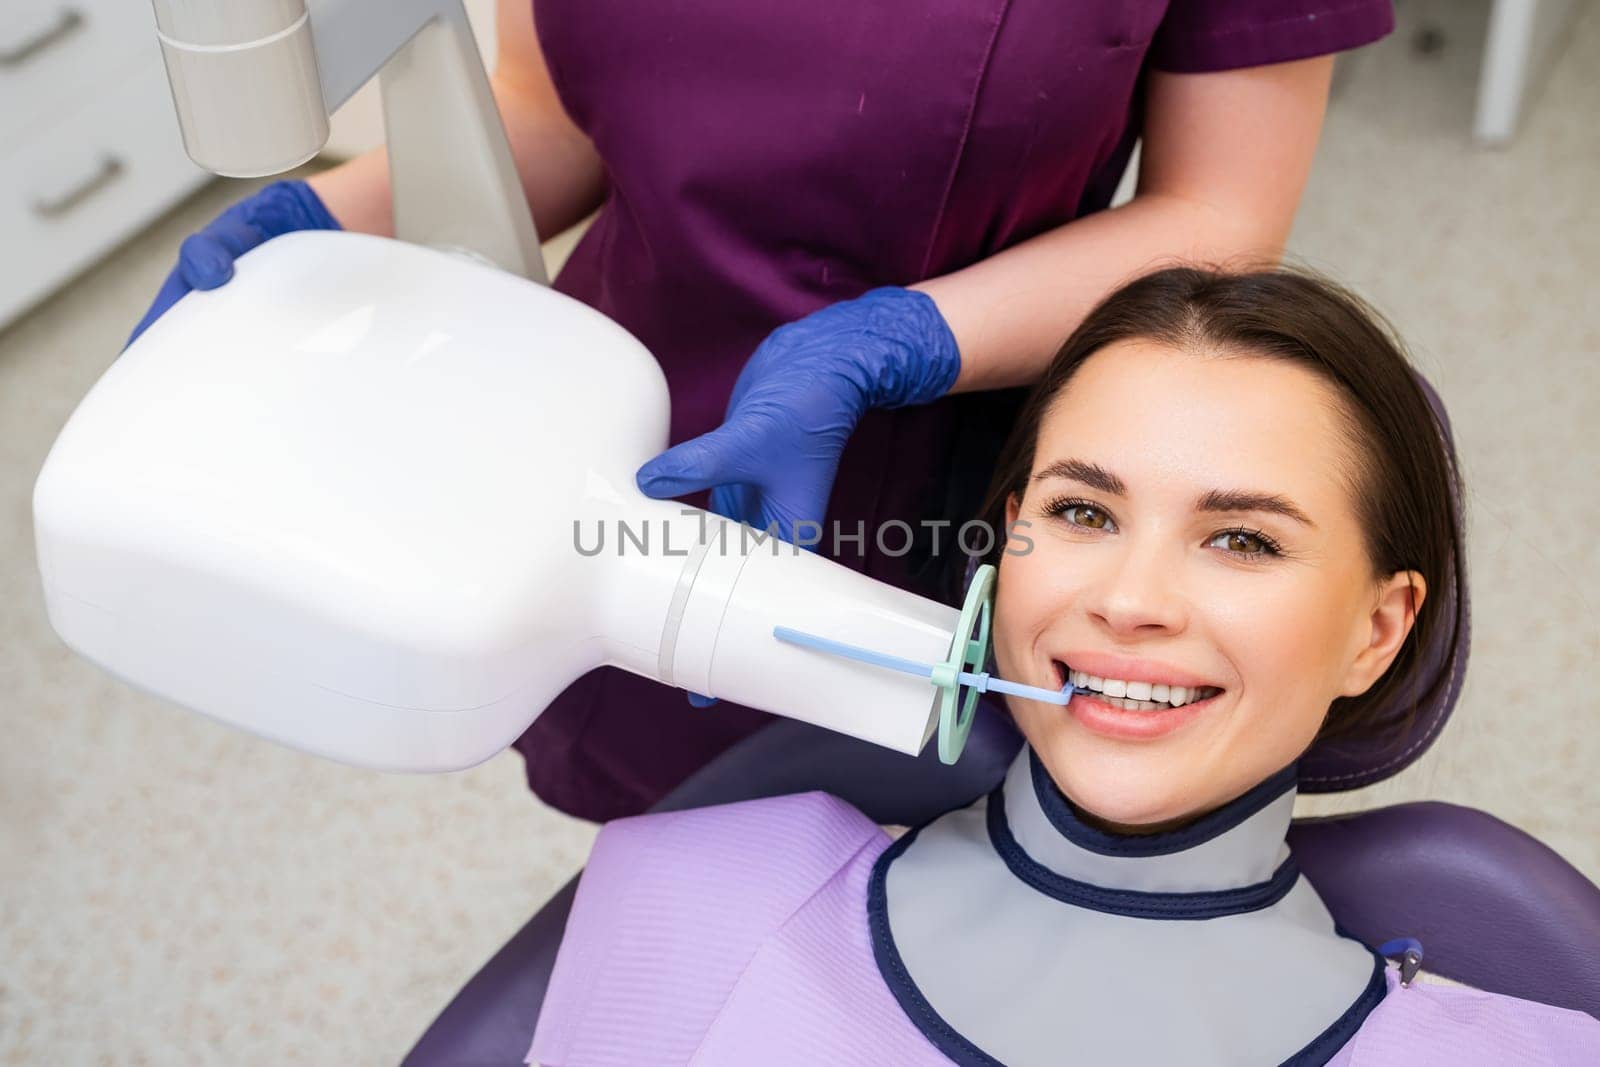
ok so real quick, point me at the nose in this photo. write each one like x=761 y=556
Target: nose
x=1139 y=593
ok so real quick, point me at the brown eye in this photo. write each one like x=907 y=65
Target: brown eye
x=1081 y=513
x=1245 y=543
x=1088 y=516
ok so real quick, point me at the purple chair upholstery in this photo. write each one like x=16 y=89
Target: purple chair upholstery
x=1492 y=906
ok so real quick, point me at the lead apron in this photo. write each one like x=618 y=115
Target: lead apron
x=1012 y=932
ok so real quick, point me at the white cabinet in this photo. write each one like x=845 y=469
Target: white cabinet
x=89 y=144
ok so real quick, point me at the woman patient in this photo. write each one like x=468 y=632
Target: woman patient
x=1230 y=501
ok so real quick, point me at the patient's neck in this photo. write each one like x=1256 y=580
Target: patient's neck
x=1240 y=843
x=1142 y=829
x=1131 y=829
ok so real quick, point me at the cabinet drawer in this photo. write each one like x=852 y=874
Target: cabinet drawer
x=57 y=54
x=94 y=178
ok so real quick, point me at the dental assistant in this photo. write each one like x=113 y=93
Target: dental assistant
x=848 y=232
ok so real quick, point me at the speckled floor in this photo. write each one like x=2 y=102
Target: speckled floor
x=172 y=891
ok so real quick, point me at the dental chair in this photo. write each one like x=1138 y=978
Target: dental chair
x=1493 y=907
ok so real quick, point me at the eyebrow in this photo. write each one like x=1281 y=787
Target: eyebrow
x=1091 y=474
x=1097 y=477
x=1249 y=500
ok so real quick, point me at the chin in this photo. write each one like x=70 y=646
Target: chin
x=1118 y=786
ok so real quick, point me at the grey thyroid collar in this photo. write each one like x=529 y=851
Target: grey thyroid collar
x=1012 y=932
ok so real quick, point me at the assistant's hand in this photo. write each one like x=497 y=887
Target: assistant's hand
x=797 y=401
x=205 y=260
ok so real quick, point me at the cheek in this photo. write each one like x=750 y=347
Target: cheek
x=1025 y=602
x=1286 y=640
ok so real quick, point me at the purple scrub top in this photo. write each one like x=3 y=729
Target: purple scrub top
x=766 y=159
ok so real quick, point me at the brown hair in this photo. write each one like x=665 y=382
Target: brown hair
x=1405 y=485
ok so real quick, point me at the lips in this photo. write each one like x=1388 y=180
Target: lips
x=1094 y=713
x=1118 y=716
x=1146 y=687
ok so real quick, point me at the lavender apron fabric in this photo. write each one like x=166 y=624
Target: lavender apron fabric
x=765 y=159
x=740 y=934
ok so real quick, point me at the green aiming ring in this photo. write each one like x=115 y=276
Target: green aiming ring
x=969 y=651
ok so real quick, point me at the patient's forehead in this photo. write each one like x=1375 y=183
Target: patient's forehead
x=1155 y=415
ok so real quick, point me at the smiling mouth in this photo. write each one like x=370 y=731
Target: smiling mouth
x=1134 y=696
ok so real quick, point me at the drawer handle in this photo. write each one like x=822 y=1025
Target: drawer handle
x=56 y=206
x=68 y=22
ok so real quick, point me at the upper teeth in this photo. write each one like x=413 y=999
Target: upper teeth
x=1176 y=695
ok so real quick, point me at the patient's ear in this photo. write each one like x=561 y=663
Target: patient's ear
x=1013 y=505
x=1394 y=613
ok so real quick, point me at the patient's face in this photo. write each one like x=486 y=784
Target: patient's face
x=1130 y=577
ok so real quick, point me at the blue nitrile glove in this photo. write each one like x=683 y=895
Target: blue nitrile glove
x=798 y=399
x=205 y=260
x=796 y=402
